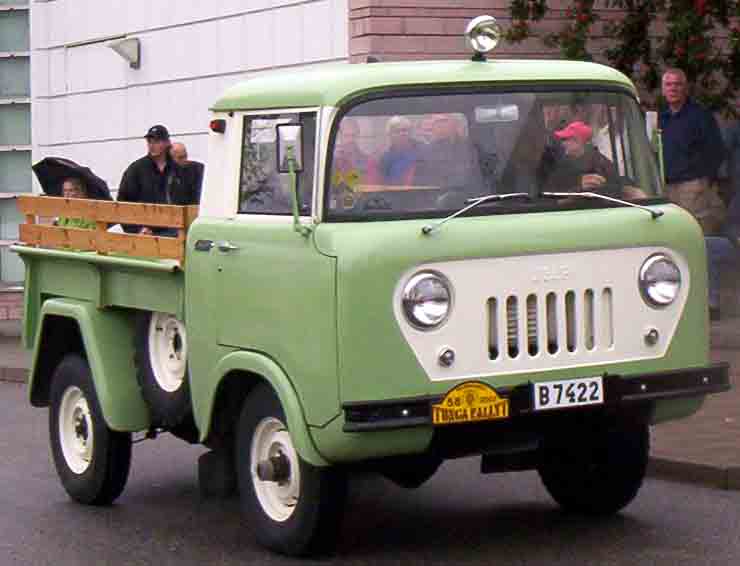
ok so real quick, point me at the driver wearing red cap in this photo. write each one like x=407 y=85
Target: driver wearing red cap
x=582 y=167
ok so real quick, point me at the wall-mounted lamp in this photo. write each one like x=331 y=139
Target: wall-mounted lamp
x=129 y=48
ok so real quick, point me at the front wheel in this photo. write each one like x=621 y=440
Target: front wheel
x=294 y=508
x=91 y=460
x=596 y=472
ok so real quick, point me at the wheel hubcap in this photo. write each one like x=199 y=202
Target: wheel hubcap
x=275 y=469
x=168 y=350
x=75 y=430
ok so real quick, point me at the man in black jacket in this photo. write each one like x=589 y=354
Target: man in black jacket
x=155 y=178
x=193 y=170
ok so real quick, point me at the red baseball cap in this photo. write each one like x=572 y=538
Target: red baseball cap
x=575 y=130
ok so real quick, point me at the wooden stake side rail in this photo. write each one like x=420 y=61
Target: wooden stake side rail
x=103 y=213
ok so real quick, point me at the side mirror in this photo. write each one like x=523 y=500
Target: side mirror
x=289 y=147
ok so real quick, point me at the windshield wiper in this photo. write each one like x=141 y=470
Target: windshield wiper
x=654 y=213
x=472 y=203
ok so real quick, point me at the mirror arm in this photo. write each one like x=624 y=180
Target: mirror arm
x=304 y=231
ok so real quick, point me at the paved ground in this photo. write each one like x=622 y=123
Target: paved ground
x=704 y=448
x=459 y=517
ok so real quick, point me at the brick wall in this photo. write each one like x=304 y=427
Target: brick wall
x=11 y=304
x=398 y=30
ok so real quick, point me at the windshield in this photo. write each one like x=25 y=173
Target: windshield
x=417 y=156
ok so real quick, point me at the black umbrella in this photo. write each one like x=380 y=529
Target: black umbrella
x=52 y=171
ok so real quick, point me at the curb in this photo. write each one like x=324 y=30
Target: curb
x=722 y=477
x=16 y=375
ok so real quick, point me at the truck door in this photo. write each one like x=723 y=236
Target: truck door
x=275 y=293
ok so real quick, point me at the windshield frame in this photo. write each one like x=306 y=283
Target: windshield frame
x=485 y=209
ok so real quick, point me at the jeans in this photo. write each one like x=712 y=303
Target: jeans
x=720 y=251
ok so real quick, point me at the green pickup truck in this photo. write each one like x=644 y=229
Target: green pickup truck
x=393 y=264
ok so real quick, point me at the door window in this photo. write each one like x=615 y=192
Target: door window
x=262 y=188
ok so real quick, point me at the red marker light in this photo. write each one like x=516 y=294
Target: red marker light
x=218 y=126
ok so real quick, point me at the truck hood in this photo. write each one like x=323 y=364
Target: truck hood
x=592 y=254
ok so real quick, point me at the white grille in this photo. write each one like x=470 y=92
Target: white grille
x=539 y=312
x=526 y=325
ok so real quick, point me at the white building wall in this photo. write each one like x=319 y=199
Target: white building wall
x=89 y=106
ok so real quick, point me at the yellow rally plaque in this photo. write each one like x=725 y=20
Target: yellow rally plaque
x=470 y=402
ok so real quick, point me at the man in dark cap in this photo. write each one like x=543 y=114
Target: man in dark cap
x=155 y=178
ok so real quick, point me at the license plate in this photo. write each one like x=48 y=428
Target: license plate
x=470 y=402
x=568 y=393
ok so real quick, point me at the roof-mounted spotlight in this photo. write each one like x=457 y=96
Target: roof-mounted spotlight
x=483 y=34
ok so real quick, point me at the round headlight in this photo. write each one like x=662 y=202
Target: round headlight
x=660 y=280
x=483 y=33
x=426 y=300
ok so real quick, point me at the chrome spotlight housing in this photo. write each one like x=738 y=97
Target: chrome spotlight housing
x=483 y=34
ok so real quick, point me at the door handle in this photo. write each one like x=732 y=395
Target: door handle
x=226 y=246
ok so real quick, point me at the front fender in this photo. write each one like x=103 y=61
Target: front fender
x=108 y=344
x=258 y=366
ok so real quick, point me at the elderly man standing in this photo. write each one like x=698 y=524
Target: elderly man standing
x=692 y=152
x=193 y=170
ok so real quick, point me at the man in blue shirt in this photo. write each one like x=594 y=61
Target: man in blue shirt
x=692 y=153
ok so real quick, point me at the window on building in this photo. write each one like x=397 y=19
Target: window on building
x=15 y=129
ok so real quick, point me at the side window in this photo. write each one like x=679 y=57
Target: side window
x=262 y=189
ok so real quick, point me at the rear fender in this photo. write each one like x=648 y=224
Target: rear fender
x=105 y=338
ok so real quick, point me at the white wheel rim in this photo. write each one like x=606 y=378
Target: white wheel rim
x=76 y=430
x=278 y=499
x=168 y=351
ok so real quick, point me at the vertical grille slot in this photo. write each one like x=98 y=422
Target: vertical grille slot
x=552 y=324
x=570 y=321
x=532 y=327
x=493 y=335
x=607 y=318
x=512 y=326
x=589 y=320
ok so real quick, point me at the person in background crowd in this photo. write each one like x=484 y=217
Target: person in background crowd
x=193 y=170
x=73 y=187
x=449 y=159
x=397 y=166
x=155 y=178
x=692 y=154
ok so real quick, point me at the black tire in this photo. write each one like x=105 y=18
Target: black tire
x=168 y=406
x=598 y=472
x=311 y=527
x=96 y=475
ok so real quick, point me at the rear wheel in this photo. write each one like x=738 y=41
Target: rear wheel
x=294 y=508
x=91 y=460
x=598 y=472
x=161 y=362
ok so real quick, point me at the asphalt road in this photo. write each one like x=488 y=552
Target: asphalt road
x=459 y=517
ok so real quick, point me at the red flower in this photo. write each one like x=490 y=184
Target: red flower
x=680 y=51
x=583 y=18
x=700 y=6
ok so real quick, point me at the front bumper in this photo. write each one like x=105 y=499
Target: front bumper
x=619 y=391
